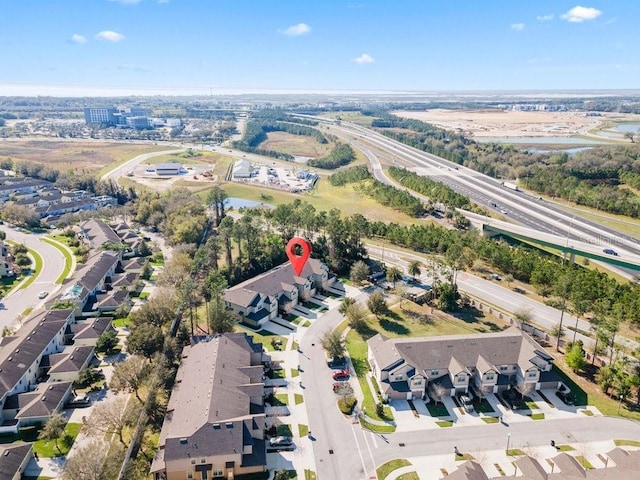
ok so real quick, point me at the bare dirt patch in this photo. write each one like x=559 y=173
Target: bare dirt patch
x=297 y=145
x=77 y=155
x=509 y=123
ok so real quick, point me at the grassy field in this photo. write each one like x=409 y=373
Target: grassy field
x=77 y=156
x=46 y=448
x=199 y=157
x=297 y=145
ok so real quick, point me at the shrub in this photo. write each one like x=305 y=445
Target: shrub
x=346 y=405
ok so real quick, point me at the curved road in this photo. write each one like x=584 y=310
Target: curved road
x=122 y=170
x=18 y=300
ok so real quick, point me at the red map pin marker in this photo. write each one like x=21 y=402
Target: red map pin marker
x=298 y=261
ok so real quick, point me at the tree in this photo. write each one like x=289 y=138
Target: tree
x=436 y=392
x=107 y=341
x=575 y=357
x=377 y=304
x=345 y=304
x=87 y=377
x=111 y=417
x=359 y=272
x=356 y=316
x=414 y=268
x=130 y=374
x=53 y=429
x=393 y=275
x=86 y=462
x=221 y=319
x=145 y=340
x=523 y=315
x=448 y=297
x=333 y=343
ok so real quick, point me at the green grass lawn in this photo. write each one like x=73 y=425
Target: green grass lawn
x=513 y=452
x=483 y=406
x=490 y=420
x=444 y=423
x=295 y=373
x=437 y=410
x=144 y=295
x=37 y=268
x=68 y=259
x=299 y=398
x=310 y=475
x=584 y=462
x=284 y=430
x=537 y=416
x=282 y=398
x=120 y=322
x=263 y=336
x=385 y=469
x=48 y=449
x=408 y=476
x=565 y=448
x=303 y=430
x=620 y=442
x=377 y=428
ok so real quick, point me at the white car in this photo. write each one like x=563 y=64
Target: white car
x=43 y=294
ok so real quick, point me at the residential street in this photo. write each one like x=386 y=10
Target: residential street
x=19 y=299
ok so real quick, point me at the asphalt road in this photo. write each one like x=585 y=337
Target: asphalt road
x=122 y=170
x=496 y=294
x=344 y=451
x=19 y=300
x=521 y=207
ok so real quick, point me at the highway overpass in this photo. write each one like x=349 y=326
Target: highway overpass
x=590 y=248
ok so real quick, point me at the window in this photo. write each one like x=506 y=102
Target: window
x=503 y=368
x=193 y=461
x=461 y=378
x=189 y=474
x=435 y=372
x=218 y=472
x=203 y=460
x=533 y=373
x=489 y=376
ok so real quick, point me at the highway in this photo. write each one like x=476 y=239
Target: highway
x=18 y=300
x=522 y=208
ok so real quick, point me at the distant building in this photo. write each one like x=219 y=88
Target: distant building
x=172 y=168
x=139 y=123
x=5 y=267
x=242 y=169
x=100 y=116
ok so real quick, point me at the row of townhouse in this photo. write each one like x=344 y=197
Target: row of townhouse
x=40 y=362
x=48 y=201
x=278 y=291
x=432 y=367
x=5 y=263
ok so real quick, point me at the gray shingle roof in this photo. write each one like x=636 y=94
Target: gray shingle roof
x=72 y=359
x=45 y=400
x=98 y=233
x=11 y=458
x=18 y=353
x=212 y=386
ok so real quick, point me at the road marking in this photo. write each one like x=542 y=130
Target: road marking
x=373 y=462
x=364 y=467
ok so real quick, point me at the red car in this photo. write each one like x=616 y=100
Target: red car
x=341 y=375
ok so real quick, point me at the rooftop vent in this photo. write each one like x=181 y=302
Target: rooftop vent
x=228 y=425
x=50 y=387
x=183 y=441
x=216 y=426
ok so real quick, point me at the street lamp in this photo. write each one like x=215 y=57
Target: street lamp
x=508 y=441
x=620 y=403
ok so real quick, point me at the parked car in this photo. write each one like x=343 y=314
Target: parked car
x=342 y=375
x=566 y=397
x=79 y=402
x=337 y=362
x=610 y=251
x=466 y=403
x=43 y=294
x=280 y=441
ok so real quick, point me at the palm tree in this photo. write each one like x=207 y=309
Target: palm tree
x=393 y=275
x=414 y=268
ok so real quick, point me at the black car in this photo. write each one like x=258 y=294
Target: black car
x=337 y=362
x=566 y=397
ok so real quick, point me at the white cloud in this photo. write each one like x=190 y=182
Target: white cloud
x=518 y=27
x=545 y=18
x=364 y=59
x=75 y=38
x=110 y=36
x=296 y=30
x=579 y=14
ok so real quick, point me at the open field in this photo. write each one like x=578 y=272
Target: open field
x=297 y=145
x=503 y=123
x=76 y=155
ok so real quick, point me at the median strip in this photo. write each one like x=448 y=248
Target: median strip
x=68 y=258
x=37 y=268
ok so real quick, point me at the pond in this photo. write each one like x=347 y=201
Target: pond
x=236 y=203
x=628 y=127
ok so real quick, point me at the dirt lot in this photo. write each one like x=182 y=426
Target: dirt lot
x=297 y=145
x=68 y=154
x=502 y=123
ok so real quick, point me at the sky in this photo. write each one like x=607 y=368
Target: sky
x=184 y=47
